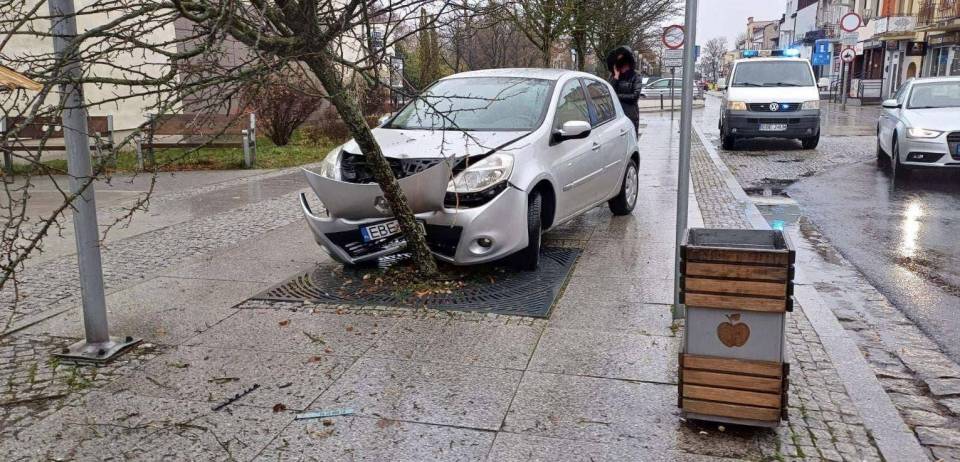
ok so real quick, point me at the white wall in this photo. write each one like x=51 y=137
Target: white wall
x=128 y=113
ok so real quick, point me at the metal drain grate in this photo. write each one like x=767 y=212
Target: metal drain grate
x=522 y=293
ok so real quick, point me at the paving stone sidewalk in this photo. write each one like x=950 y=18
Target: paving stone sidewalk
x=595 y=381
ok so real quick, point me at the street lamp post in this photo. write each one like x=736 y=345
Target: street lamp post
x=97 y=345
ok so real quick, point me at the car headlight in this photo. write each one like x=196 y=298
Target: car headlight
x=811 y=106
x=487 y=172
x=330 y=167
x=736 y=105
x=922 y=133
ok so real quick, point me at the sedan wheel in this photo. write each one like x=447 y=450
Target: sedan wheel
x=899 y=171
x=882 y=158
x=626 y=200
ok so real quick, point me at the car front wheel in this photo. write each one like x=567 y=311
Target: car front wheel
x=899 y=171
x=811 y=142
x=528 y=259
x=626 y=200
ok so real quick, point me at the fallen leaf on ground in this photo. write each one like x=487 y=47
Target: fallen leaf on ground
x=279 y=407
x=284 y=322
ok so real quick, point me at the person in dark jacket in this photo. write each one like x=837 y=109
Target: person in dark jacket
x=626 y=82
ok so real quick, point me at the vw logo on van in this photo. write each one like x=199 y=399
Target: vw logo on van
x=774 y=107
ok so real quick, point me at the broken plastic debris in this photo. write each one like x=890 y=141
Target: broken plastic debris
x=324 y=414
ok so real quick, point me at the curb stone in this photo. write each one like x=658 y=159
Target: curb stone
x=893 y=437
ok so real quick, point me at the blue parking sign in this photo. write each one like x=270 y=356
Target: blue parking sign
x=822 y=46
x=820 y=59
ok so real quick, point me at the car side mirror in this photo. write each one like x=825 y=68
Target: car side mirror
x=891 y=104
x=573 y=130
x=383 y=119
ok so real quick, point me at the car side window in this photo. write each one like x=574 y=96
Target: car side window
x=602 y=101
x=572 y=105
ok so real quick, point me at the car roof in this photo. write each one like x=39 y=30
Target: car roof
x=530 y=73
x=955 y=78
x=768 y=59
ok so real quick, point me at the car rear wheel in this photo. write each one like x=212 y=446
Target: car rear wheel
x=810 y=142
x=626 y=200
x=528 y=259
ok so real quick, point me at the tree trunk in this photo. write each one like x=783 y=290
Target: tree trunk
x=350 y=112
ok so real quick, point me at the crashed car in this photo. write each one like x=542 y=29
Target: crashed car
x=488 y=161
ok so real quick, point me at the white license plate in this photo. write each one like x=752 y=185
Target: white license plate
x=773 y=127
x=383 y=230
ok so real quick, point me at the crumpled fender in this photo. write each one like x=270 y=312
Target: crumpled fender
x=424 y=191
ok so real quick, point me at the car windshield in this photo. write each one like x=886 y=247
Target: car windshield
x=935 y=95
x=773 y=74
x=478 y=104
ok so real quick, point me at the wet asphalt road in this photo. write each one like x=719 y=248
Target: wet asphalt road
x=904 y=237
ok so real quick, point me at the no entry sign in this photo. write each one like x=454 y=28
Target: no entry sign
x=850 y=22
x=673 y=37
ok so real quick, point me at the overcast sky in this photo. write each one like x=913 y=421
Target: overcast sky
x=729 y=17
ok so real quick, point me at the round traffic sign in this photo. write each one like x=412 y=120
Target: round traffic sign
x=848 y=55
x=673 y=36
x=850 y=22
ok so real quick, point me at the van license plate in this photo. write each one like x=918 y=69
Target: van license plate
x=773 y=127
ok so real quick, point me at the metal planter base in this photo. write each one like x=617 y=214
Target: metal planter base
x=97 y=353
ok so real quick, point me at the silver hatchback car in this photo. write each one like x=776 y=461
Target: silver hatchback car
x=488 y=161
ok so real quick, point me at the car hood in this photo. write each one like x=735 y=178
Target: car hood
x=773 y=94
x=943 y=119
x=436 y=144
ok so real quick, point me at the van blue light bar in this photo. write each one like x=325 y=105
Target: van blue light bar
x=791 y=53
x=750 y=53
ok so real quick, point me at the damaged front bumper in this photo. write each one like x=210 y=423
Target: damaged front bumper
x=463 y=236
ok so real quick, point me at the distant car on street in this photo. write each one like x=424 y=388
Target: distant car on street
x=662 y=87
x=920 y=126
x=488 y=161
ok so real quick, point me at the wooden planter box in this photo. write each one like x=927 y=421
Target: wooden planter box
x=737 y=286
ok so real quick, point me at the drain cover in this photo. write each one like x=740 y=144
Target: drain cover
x=521 y=293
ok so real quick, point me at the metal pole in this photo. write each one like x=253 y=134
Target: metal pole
x=98 y=345
x=673 y=74
x=846 y=79
x=686 y=124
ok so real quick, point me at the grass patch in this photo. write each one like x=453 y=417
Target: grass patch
x=301 y=150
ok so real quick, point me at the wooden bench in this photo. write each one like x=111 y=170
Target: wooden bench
x=34 y=137
x=198 y=131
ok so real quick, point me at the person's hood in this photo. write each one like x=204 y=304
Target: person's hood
x=420 y=144
x=626 y=52
x=945 y=119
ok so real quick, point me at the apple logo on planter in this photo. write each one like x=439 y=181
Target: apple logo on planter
x=733 y=333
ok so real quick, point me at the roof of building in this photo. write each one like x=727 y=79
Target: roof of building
x=12 y=80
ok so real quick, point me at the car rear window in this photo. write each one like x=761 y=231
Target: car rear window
x=772 y=74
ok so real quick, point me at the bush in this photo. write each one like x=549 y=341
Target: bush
x=283 y=103
x=330 y=127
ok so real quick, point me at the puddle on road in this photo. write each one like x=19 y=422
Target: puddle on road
x=780 y=211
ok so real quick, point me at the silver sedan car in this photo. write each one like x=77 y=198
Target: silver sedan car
x=488 y=161
x=920 y=126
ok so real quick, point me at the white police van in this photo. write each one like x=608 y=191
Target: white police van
x=771 y=95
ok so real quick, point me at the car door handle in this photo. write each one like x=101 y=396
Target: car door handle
x=596 y=146
x=623 y=132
